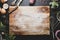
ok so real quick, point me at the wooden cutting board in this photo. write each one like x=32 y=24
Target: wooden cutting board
x=30 y=20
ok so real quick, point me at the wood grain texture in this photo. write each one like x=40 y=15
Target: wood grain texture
x=30 y=20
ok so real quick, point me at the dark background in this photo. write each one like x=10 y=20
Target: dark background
x=53 y=20
x=36 y=37
x=37 y=3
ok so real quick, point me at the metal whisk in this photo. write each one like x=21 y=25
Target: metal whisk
x=18 y=3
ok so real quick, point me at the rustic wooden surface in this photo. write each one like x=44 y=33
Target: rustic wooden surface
x=16 y=30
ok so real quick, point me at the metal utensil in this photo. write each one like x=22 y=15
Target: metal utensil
x=57 y=34
x=58 y=16
x=18 y=3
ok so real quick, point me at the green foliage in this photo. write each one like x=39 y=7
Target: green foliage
x=54 y=4
x=1 y=25
x=9 y=37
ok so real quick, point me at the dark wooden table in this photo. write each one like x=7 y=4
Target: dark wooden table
x=43 y=37
x=37 y=3
x=53 y=16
